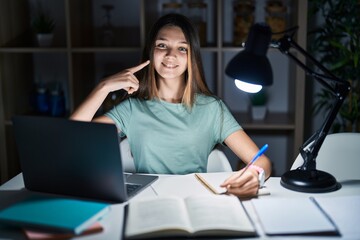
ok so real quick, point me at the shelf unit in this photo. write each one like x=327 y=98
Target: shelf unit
x=78 y=60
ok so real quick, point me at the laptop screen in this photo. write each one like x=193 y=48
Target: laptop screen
x=68 y=157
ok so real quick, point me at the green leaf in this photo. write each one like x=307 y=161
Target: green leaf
x=336 y=43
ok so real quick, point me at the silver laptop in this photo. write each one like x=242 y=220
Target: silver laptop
x=74 y=158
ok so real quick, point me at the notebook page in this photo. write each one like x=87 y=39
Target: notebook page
x=344 y=210
x=292 y=216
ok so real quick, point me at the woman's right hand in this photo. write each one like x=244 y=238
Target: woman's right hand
x=124 y=80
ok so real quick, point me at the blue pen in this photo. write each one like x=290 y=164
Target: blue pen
x=258 y=154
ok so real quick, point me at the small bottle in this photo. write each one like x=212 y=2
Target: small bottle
x=171 y=7
x=42 y=99
x=57 y=102
x=107 y=28
x=197 y=12
x=243 y=20
x=276 y=17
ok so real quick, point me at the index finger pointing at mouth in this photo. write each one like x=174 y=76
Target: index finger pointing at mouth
x=139 y=67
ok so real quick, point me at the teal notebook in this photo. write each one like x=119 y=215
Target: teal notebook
x=56 y=214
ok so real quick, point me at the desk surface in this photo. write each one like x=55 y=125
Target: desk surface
x=114 y=220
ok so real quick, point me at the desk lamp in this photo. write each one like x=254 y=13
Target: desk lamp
x=252 y=66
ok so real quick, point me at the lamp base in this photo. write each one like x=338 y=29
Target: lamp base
x=314 y=181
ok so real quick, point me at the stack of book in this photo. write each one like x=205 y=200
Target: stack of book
x=46 y=218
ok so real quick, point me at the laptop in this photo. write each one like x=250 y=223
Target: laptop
x=75 y=158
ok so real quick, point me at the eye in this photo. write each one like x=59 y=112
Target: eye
x=183 y=49
x=161 y=45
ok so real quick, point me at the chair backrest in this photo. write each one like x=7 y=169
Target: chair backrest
x=217 y=161
x=339 y=155
x=126 y=156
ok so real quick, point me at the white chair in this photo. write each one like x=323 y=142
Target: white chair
x=126 y=156
x=217 y=161
x=339 y=155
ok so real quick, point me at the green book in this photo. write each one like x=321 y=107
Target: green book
x=56 y=214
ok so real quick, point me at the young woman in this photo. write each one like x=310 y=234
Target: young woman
x=170 y=117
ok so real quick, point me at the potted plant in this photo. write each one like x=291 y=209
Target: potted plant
x=43 y=25
x=258 y=104
x=337 y=43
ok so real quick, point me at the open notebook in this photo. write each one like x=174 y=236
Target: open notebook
x=74 y=158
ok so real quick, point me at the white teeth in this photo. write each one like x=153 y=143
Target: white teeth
x=169 y=65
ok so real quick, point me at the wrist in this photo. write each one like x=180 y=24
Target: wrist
x=261 y=173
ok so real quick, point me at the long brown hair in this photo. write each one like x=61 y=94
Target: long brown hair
x=194 y=75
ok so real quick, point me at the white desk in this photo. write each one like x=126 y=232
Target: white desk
x=113 y=221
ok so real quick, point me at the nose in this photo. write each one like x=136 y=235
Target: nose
x=171 y=52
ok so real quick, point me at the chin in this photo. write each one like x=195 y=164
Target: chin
x=168 y=75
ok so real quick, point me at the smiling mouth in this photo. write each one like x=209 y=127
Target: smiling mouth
x=169 y=65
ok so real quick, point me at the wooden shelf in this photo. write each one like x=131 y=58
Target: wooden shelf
x=272 y=122
x=32 y=50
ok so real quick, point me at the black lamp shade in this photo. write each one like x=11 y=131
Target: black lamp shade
x=251 y=65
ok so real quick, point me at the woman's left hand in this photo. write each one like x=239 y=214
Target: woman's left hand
x=245 y=186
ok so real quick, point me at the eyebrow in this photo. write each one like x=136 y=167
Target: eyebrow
x=164 y=39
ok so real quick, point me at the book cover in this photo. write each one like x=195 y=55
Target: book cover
x=293 y=216
x=344 y=211
x=56 y=214
x=50 y=235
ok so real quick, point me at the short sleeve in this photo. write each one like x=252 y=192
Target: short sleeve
x=226 y=122
x=121 y=115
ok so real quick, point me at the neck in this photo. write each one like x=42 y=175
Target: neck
x=171 y=100
x=171 y=91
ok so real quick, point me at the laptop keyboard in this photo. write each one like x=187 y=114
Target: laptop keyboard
x=131 y=188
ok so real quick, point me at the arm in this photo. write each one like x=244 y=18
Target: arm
x=122 y=80
x=244 y=147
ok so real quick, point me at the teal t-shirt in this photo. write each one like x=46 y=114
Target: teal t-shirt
x=167 y=138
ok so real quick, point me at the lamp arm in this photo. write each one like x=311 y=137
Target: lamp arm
x=309 y=150
x=285 y=43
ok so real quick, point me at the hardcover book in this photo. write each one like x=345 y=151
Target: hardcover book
x=56 y=214
x=52 y=235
